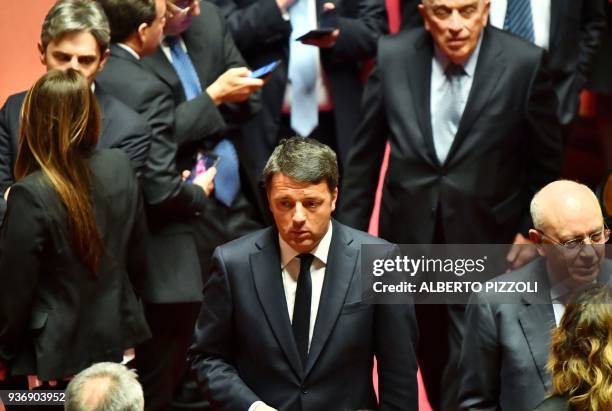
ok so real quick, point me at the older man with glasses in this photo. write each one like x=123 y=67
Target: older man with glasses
x=507 y=338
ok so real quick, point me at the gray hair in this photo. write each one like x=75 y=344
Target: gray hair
x=538 y=210
x=305 y=160
x=105 y=386
x=69 y=16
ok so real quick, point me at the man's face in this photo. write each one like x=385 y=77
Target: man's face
x=302 y=211
x=78 y=50
x=152 y=35
x=580 y=266
x=455 y=25
x=179 y=15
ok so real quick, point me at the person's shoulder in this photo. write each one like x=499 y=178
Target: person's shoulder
x=248 y=243
x=12 y=105
x=512 y=44
x=554 y=403
x=403 y=40
x=355 y=236
x=118 y=111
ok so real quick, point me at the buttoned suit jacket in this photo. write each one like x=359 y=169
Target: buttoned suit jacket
x=121 y=128
x=508 y=144
x=175 y=274
x=245 y=350
x=507 y=342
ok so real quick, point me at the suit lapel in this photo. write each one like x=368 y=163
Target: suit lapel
x=537 y=319
x=489 y=68
x=339 y=272
x=420 y=84
x=265 y=265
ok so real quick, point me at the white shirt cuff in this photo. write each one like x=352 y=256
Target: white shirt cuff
x=255 y=404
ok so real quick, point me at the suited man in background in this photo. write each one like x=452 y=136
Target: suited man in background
x=75 y=34
x=212 y=95
x=473 y=134
x=508 y=336
x=570 y=30
x=208 y=109
x=283 y=324
x=173 y=289
x=324 y=74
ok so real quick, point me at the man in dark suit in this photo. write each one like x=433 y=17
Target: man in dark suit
x=473 y=134
x=84 y=49
x=225 y=101
x=571 y=31
x=265 y=31
x=209 y=108
x=283 y=323
x=173 y=290
x=507 y=337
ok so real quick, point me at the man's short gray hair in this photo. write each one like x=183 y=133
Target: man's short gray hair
x=105 y=386
x=70 y=16
x=305 y=160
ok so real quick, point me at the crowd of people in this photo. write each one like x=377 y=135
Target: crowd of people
x=166 y=207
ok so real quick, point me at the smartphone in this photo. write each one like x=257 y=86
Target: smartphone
x=265 y=70
x=204 y=161
x=316 y=33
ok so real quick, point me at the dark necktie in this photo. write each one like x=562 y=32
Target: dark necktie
x=519 y=19
x=301 y=308
x=227 y=180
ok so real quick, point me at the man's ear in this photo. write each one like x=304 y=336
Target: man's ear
x=536 y=238
x=41 y=54
x=334 y=198
x=104 y=59
x=143 y=30
x=423 y=13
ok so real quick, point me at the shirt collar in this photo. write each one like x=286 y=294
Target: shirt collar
x=469 y=65
x=129 y=50
x=321 y=250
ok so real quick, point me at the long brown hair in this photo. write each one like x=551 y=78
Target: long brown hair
x=60 y=124
x=581 y=352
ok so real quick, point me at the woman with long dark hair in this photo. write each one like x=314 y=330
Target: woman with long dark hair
x=71 y=245
x=581 y=355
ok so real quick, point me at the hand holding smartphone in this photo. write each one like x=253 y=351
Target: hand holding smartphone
x=204 y=161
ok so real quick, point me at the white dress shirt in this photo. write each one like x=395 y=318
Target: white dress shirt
x=290 y=268
x=129 y=50
x=540 y=13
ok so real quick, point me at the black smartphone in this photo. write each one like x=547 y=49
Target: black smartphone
x=316 y=33
x=265 y=70
x=204 y=161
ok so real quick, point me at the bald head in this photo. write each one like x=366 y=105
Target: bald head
x=562 y=202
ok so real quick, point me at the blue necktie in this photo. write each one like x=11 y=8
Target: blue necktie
x=302 y=72
x=450 y=110
x=519 y=19
x=227 y=180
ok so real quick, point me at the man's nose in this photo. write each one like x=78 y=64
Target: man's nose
x=298 y=215
x=455 y=22
x=74 y=64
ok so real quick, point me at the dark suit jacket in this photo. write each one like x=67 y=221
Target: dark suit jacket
x=199 y=123
x=175 y=274
x=245 y=350
x=554 y=404
x=56 y=318
x=121 y=128
x=576 y=29
x=508 y=144
x=507 y=342
x=262 y=35
x=601 y=80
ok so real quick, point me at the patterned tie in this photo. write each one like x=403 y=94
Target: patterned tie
x=301 y=308
x=519 y=19
x=302 y=71
x=227 y=180
x=450 y=111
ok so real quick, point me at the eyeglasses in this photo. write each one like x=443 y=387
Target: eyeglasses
x=173 y=9
x=576 y=244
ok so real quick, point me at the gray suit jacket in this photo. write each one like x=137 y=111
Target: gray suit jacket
x=506 y=345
